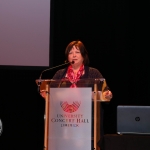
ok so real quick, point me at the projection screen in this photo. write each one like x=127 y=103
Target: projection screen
x=24 y=32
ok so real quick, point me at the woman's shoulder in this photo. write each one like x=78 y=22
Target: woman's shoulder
x=60 y=71
x=94 y=73
x=59 y=74
x=93 y=69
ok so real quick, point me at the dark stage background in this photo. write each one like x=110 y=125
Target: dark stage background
x=112 y=34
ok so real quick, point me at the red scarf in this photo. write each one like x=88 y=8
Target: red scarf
x=71 y=76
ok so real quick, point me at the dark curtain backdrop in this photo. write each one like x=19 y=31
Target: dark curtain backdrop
x=112 y=34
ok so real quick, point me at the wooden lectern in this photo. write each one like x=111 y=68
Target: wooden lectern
x=97 y=87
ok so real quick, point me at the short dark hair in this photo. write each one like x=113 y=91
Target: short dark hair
x=80 y=45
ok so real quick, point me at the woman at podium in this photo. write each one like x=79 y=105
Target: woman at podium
x=78 y=69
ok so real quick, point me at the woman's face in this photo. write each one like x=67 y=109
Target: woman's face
x=75 y=55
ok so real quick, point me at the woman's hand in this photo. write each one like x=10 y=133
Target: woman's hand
x=107 y=95
x=43 y=93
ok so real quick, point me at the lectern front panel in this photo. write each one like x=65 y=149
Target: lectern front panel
x=70 y=119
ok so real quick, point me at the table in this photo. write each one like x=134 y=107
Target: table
x=126 y=142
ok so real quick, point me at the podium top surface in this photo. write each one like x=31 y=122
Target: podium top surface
x=65 y=83
x=82 y=81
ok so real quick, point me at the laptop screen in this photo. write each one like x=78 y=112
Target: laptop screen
x=133 y=119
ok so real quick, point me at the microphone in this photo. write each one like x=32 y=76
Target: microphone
x=39 y=83
x=55 y=67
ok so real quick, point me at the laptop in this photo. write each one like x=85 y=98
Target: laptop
x=133 y=120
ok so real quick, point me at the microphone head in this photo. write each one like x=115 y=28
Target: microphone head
x=72 y=62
